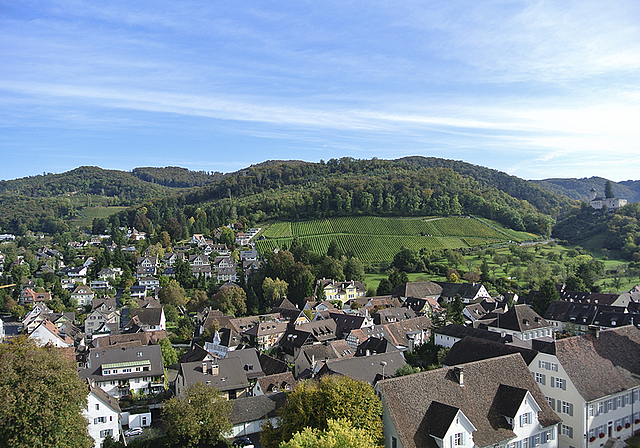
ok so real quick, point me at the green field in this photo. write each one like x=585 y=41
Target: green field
x=375 y=239
x=87 y=214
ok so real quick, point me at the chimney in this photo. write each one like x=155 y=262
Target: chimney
x=459 y=372
x=594 y=330
x=215 y=369
x=204 y=367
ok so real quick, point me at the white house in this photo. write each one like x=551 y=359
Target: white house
x=598 y=202
x=48 y=334
x=490 y=403
x=593 y=382
x=103 y=415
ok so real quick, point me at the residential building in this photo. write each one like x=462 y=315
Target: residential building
x=493 y=403
x=122 y=369
x=103 y=415
x=520 y=322
x=226 y=375
x=83 y=295
x=342 y=291
x=593 y=382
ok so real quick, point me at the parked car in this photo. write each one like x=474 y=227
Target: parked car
x=243 y=442
x=133 y=432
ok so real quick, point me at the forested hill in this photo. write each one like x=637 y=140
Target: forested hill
x=176 y=177
x=85 y=180
x=413 y=186
x=578 y=189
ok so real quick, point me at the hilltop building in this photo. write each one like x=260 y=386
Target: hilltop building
x=599 y=202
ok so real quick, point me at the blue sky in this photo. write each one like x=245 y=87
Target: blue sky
x=534 y=88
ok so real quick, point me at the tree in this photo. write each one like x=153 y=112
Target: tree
x=354 y=270
x=169 y=354
x=547 y=294
x=608 y=190
x=313 y=404
x=227 y=236
x=231 y=300
x=42 y=398
x=274 y=290
x=173 y=294
x=334 y=250
x=454 y=312
x=200 y=416
x=339 y=434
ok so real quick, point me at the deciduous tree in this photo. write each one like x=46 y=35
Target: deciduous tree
x=41 y=398
x=200 y=416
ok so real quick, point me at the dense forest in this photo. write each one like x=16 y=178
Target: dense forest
x=578 y=189
x=347 y=187
x=294 y=190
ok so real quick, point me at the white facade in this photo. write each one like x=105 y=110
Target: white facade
x=103 y=419
x=585 y=424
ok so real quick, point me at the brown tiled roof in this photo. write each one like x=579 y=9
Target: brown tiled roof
x=277 y=383
x=408 y=399
x=418 y=290
x=604 y=365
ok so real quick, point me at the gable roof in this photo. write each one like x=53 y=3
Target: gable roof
x=472 y=349
x=277 y=383
x=408 y=400
x=602 y=365
x=364 y=368
x=231 y=375
x=519 y=318
x=251 y=409
x=418 y=290
x=460 y=331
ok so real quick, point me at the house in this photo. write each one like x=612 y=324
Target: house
x=250 y=362
x=149 y=283
x=103 y=415
x=301 y=335
x=468 y=292
x=485 y=404
x=451 y=334
x=404 y=335
x=101 y=315
x=521 y=322
x=29 y=297
x=342 y=291
x=146 y=266
x=272 y=384
x=390 y=315
x=345 y=323
x=417 y=290
x=122 y=369
x=593 y=382
x=249 y=414
x=266 y=335
x=83 y=295
x=223 y=341
x=311 y=358
x=598 y=202
x=369 y=369
x=10 y=327
x=48 y=334
x=147 y=319
x=226 y=375
x=472 y=349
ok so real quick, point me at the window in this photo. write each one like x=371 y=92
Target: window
x=548 y=365
x=566 y=408
x=99 y=420
x=394 y=442
x=558 y=383
x=97 y=407
x=540 y=378
x=552 y=402
x=458 y=439
x=567 y=431
x=525 y=419
x=106 y=432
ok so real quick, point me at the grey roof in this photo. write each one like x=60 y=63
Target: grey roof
x=460 y=331
x=418 y=290
x=147 y=316
x=231 y=375
x=408 y=400
x=271 y=365
x=250 y=362
x=364 y=368
x=440 y=416
x=520 y=318
x=464 y=290
x=112 y=355
x=346 y=322
x=472 y=349
x=387 y=315
x=603 y=365
x=251 y=409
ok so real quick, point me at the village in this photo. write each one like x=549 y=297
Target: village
x=507 y=376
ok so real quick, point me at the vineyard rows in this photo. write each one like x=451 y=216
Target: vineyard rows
x=374 y=239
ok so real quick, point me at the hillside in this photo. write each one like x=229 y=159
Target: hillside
x=411 y=187
x=283 y=190
x=578 y=189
